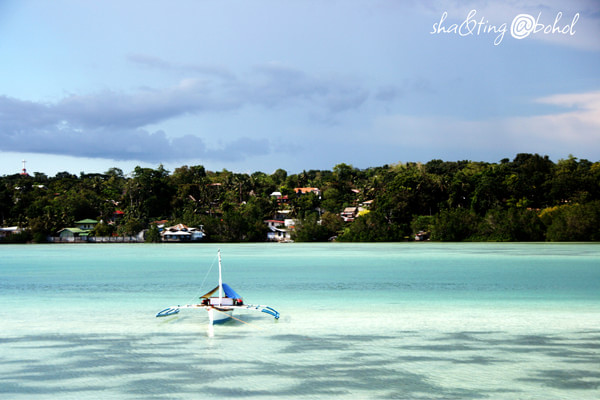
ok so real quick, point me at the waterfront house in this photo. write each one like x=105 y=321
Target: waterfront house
x=73 y=234
x=78 y=233
x=86 y=224
x=182 y=233
x=278 y=232
x=7 y=231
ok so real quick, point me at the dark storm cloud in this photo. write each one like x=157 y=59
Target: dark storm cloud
x=113 y=124
x=144 y=107
x=106 y=127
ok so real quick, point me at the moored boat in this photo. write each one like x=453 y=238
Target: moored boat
x=220 y=303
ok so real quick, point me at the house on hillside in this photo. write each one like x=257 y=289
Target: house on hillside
x=282 y=215
x=274 y=223
x=116 y=217
x=160 y=224
x=279 y=197
x=304 y=190
x=366 y=205
x=349 y=214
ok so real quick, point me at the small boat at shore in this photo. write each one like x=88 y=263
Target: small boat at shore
x=220 y=303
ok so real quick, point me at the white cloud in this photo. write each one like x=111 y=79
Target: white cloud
x=576 y=131
x=578 y=128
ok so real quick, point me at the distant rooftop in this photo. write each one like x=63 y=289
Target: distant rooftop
x=87 y=221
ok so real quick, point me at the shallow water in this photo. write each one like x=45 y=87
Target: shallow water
x=359 y=321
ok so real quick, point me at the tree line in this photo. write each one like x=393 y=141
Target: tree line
x=530 y=198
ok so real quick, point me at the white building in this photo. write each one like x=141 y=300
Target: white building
x=182 y=233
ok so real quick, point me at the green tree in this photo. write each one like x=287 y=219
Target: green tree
x=333 y=200
x=279 y=177
x=454 y=225
x=515 y=224
x=577 y=222
x=148 y=194
x=103 y=229
x=373 y=227
x=131 y=226
x=153 y=235
x=333 y=223
x=531 y=182
x=310 y=230
x=422 y=223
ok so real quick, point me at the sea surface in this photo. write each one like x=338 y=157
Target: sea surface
x=358 y=321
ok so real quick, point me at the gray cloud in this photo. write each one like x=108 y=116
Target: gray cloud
x=85 y=130
x=114 y=124
x=144 y=107
x=269 y=85
x=277 y=85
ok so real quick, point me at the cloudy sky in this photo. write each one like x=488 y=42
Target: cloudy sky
x=258 y=85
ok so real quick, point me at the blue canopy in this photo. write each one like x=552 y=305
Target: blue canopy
x=229 y=292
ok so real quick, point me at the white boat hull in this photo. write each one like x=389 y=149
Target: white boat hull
x=218 y=316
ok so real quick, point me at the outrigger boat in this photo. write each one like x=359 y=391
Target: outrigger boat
x=220 y=308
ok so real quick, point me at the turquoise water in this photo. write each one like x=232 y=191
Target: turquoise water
x=359 y=321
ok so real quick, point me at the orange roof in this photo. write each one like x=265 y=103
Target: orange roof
x=306 y=189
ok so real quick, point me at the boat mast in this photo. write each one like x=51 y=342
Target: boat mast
x=220 y=281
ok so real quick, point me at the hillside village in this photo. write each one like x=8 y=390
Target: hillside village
x=530 y=198
x=281 y=228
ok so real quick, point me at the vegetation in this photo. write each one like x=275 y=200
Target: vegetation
x=530 y=198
